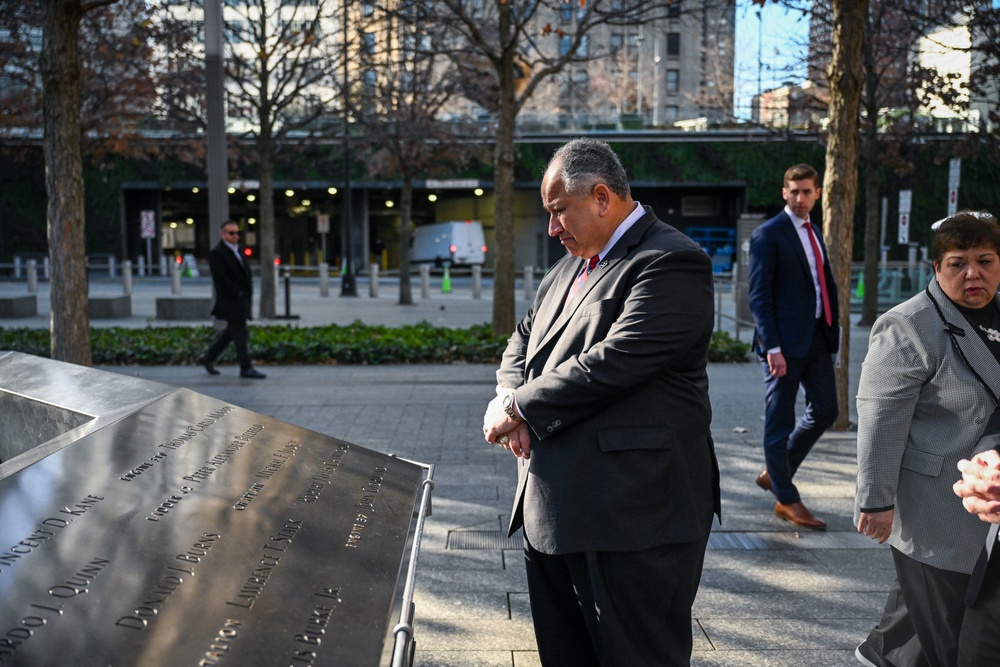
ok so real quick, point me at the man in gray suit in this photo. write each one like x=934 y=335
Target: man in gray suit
x=603 y=396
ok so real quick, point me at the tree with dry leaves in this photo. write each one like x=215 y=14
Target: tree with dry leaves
x=405 y=89
x=85 y=85
x=506 y=50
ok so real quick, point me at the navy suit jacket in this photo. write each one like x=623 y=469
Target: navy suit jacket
x=782 y=292
x=614 y=388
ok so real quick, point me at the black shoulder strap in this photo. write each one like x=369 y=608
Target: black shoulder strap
x=954 y=330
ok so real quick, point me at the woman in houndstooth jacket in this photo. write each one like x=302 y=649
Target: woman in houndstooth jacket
x=928 y=387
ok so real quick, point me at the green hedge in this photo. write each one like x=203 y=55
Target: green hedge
x=355 y=343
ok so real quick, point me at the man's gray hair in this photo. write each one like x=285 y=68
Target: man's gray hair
x=583 y=163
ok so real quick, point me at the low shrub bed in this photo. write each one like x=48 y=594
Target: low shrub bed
x=355 y=343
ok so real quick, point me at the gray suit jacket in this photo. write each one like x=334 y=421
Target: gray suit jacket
x=615 y=390
x=920 y=410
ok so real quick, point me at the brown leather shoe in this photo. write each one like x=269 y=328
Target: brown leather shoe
x=764 y=480
x=798 y=514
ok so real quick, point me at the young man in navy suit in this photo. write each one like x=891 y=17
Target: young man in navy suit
x=793 y=299
x=602 y=395
x=233 y=300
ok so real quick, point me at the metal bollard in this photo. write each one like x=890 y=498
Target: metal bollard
x=425 y=281
x=373 y=282
x=277 y=274
x=324 y=279
x=142 y=266
x=477 y=282
x=175 y=278
x=32 y=276
x=46 y=269
x=288 y=295
x=127 y=277
x=529 y=283
x=112 y=267
x=163 y=265
x=17 y=268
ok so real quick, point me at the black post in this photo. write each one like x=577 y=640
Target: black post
x=288 y=297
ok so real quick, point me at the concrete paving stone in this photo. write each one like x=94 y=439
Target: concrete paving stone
x=775 y=578
x=447 y=560
x=463 y=658
x=520 y=605
x=475 y=635
x=766 y=658
x=527 y=659
x=827 y=604
x=741 y=560
x=785 y=634
x=855 y=559
x=472 y=582
x=451 y=604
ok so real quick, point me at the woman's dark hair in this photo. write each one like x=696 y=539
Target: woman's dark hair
x=964 y=230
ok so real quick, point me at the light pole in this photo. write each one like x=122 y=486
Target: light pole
x=218 y=174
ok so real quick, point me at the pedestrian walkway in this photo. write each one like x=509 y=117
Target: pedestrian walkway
x=770 y=595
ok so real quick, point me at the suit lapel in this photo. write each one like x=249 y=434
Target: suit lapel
x=792 y=238
x=560 y=317
x=972 y=346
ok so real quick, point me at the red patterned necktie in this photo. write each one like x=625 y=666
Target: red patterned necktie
x=581 y=278
x=818 y=256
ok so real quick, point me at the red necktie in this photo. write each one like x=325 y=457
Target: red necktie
x=582 y=277
x=818 y=256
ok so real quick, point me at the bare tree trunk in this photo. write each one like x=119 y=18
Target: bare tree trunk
x=869 y=162
x=869 y=301
x=503 y=186
x=406 y=212
x=840 y=181
x=59 y=63
x=266 y=232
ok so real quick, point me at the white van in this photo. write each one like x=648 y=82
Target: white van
x=454 y=243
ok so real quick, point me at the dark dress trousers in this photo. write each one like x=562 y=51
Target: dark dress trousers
x=233 y=299
x=783 y=302
x=617 y=498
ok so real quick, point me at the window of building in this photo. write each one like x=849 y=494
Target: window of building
x=673 y=44
x=371 y=78
x=700 y=206
x=617 y=41
x=368 y=42
x=368 y=9
x=565 y=42
x=584 y=49
x=565 y=12
x=674 y=9
x=673 y=80
x=671 y=111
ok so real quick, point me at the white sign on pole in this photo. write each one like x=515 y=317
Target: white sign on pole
x=954 y=176
x=905 y=203
x=147 y=224
x=323 y=223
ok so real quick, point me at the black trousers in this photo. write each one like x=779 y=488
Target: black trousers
x=606 y=609
x=979 y=642
x=922 y=618
x=235 y=331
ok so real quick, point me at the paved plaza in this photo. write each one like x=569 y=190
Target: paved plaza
x=770 y=595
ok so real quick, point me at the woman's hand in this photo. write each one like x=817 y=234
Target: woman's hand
x=876 y=525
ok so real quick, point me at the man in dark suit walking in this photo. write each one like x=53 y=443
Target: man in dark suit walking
x=603 y=395
x=793 y=299
x=233 y=300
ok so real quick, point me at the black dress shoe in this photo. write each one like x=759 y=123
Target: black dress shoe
x=209 y=366
x=252 y=373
